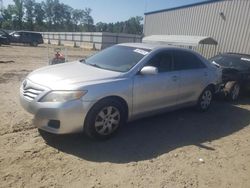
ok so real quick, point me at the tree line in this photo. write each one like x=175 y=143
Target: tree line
x=52 y=15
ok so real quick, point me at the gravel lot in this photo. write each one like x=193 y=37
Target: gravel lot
x=182 y=149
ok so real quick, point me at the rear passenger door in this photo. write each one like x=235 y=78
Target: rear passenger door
x=192 y=75
x=25 y=38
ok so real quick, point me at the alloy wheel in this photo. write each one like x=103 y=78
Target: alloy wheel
x=206 y=99
x=107 y=120
x=235 y=92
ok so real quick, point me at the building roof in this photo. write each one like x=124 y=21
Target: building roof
x=180 y=40
x=181 y=7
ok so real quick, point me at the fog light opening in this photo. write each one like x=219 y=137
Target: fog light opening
x=55 y=124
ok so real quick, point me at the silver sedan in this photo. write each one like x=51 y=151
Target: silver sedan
x=116 y=85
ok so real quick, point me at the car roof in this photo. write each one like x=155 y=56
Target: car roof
x=236 y=54
x=33 y=32
x=149 y=46
x=155 y=46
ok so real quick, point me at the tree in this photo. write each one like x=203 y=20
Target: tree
x=51 y=15
x=66 y=17
x=88 y=21
x=18 y=13
x=7 y=17
x=77 y=18
x=134 y=26
x=39 y=15
x=101 y=27
x=110 y=28
x=29 y=6
x=48 y=9
x=57 y=10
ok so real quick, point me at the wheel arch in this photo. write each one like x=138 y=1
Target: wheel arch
x=212 y=86
x=119 y=99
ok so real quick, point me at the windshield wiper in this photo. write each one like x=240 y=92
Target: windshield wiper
x=95 y=65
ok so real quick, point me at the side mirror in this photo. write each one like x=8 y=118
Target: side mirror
x=149 y=70
x=215 y=64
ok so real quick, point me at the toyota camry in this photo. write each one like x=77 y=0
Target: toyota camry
x=99 y=94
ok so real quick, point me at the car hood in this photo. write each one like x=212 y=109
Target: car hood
x=70 y=75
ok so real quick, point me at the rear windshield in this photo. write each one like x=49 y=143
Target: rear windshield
x=117 y=58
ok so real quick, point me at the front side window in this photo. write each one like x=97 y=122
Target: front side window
x=185 y=61
x=117 y=58
x=162 y=61
x=16 y=34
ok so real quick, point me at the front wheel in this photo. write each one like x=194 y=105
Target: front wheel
x=205 y=100
x=104 y=119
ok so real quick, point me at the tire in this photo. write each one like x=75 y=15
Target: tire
x=104 y=119
x=234 y=92
x=205 y=99
x=34 y=43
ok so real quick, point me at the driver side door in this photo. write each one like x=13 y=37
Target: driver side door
x=16 y=37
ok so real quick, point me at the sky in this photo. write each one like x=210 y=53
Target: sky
x=120 y=10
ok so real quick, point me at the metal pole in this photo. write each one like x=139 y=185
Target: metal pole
x=215 y=50
x=1 y=7
x=202 y=49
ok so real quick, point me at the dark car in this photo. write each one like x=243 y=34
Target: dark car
x=24 y=37
x=2 y=40
x=4 y=37
x=235 y=73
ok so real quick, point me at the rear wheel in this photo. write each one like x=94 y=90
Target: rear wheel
x=205 y=99
x=34 y=43
x=234 y=92
x=104 y=119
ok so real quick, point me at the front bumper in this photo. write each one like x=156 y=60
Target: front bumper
x=69 y=116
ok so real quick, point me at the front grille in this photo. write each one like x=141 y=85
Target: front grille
x=31 y=93
x=30 y=90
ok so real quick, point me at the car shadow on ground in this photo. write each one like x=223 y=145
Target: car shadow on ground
x=151 y=137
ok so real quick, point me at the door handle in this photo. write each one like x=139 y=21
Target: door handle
x=174 y=78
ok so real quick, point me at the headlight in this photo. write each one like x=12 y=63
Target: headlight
x=62 y=96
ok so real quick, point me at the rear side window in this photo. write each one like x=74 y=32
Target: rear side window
x=27 y=35
x=185 y=61
x=37 y=35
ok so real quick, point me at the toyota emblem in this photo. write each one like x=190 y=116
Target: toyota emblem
x=24 y=84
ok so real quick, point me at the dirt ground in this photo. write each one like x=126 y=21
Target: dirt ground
x=182 y=149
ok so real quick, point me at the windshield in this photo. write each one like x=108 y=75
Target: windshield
x=117 y=58
x=230 y=61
